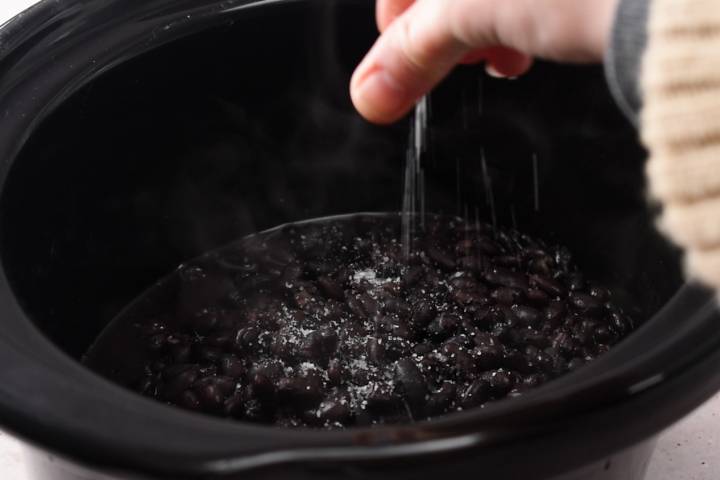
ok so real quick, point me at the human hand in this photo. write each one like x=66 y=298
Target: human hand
x=421 y=41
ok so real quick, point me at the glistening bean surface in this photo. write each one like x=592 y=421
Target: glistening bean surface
x=326 y=324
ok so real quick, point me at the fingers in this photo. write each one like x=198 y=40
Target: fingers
x=388 y=10
x=501 y=61
x=414 y=53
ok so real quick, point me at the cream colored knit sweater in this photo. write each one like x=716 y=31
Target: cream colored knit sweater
x=681 y=127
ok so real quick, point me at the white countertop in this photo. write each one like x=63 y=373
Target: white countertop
x=688 y=451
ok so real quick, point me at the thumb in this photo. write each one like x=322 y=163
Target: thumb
x=414 y=53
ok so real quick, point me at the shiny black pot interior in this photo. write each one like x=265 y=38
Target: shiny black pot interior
x=236 y=130
x=235 y=120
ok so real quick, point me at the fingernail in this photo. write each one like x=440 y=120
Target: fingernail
x=493 y=72
x=382 y=94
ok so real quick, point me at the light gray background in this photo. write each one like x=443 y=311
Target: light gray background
x=690 y=450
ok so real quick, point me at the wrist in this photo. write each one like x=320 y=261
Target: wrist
x=601 y=23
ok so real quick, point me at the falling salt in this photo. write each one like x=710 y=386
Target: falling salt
x=536 y=182
x=487 y=181
x=414 y=178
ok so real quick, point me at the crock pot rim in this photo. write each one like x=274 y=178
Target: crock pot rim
x=24 y=28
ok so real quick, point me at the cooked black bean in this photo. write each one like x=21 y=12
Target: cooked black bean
x=412 y=276
x=157 y=341
x=554 y=312
x=441 y=400
x=440 y=257
x=335 y=372
x=247 y=337
x=507 y=278
x=604 y=335
x=232 y=366
x=507 y=295
x=585 y=303
x=487 y=246
x=382 y=398
x=576 y=363
x=319 y=345
x=375 y=350
x=397 y=306
x=181 y=353
x=537 y=297
x=208 y=354
x=210 y=396
x=575 y=281
x=329 y=325
x=423 y=348
x=234 y=406
x=334 y=412
x=331 y=288
x=620 y=324
x=488 y=357
x=443 y=326
x=300 y=392
x=599 y=292
x=220 y=339
x=500 y=383
x=551 y=286
x=464 y=364
x=262 y=385
x=477 y=393
x=369 y=305
x=423 y=314
x=410 y=381
x=189 y=400
x=178 y=381
x=226 y=385
x=470 y=264
x=204 y=321
x=527 y=315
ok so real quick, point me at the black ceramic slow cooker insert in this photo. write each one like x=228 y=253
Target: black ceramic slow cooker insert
x=137 y=135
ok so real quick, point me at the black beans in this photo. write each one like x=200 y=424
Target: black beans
x=335 y=372
x=488 y=357
x=547 y=284
x=234 y=406
x=507 y=278
x=411 y=382
x=334 y=412
x=300 y=392
x=382 y=398
x=477 y=393
x=444 y=326
x=441 y=258
x=585 y=303
x=247 y=337
x=331 y=288
x=232 y=366
x=500 y=383
x=179 y=379
x=525 y=314
x=423 y=314
x=210 y=396
x=330 y=325
x=180 y=353
x=189 y=400
x=441 y=400
x=507 y=296
x=319 y=345
x=376 y=352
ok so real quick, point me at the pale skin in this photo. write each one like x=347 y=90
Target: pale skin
x=421 y=41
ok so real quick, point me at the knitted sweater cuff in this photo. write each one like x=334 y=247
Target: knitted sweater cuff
x=623 y=58
x=681 y=126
